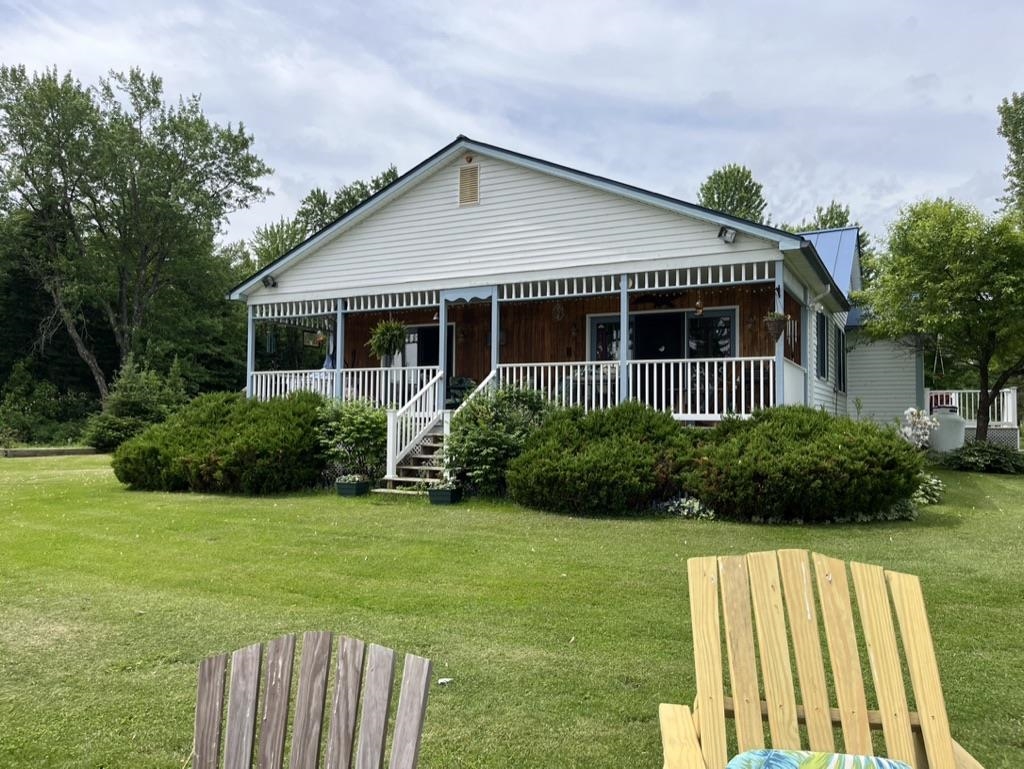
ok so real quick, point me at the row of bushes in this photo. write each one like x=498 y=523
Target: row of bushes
x=783 y=464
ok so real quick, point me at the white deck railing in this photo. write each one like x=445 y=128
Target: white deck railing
x=703 y=388
x=1002 y=411
x=381 y=386
x=408 y=425
x=590 y=385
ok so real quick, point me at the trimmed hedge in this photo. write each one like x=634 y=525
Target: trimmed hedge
x=799 y=464
x=224 y=442
x=615 y=462
x=489 y=432
x=978 y=457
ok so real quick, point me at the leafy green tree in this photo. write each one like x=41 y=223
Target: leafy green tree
x=732 y=189
x=319 y=208
x=955 y=279
x=1011 y=128
x=117 y=197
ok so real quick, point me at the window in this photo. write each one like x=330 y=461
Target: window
x=840 y=360
x=711 y=334
x=821 y=339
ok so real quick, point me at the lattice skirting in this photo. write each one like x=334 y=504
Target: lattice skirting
x=1001 y=436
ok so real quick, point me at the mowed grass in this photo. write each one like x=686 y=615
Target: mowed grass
x=562 y=635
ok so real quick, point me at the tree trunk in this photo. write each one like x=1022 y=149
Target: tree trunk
x=984 y=401
x=68 y=321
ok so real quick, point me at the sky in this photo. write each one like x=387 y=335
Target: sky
x=874 y=104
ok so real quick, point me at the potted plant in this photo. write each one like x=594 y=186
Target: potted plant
x=776 y=322
x=352 y=485
x=387 y=340
x=447 y=492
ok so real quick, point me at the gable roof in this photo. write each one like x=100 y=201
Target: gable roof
x=786 y=241
x=839 y=250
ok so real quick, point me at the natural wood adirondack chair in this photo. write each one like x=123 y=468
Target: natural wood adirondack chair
x=375 y=684
x=758 y=595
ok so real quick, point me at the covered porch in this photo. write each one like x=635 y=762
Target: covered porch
x=695 y=345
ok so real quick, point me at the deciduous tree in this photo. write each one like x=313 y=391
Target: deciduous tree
x=732 y=190
x=951 y=275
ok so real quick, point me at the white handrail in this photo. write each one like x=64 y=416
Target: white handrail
x=591 y=385
x=408 y=425
x=1002 y=410
x=380 y=386
x=279 y=384
x=704 y=388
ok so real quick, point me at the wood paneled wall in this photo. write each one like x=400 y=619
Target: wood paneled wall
x=556 y=330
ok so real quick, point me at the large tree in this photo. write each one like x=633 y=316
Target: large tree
x=732 y=189
x=117 y=196
x=1011 y=128
x=955 y=280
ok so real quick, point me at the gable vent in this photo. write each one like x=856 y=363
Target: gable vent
x=469 y=185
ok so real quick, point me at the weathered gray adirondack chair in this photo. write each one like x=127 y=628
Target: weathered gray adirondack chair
x=368 y=691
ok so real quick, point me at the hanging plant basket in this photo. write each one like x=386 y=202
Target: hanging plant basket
x=387 y=339
x=776 y=324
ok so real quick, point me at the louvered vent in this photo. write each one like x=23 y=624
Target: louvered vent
x=469 y=185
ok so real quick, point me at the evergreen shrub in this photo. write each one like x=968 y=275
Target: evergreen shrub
x=489 y=432
x=620 y=461
x=979 y=457
x=796 y=464
x=224 y=442
x=139 y=397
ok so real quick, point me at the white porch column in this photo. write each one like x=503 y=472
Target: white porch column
x=623 y=338
x=339 y=346
x=805 y=346
x=780 y=344
x=442 y=349
x=495 y=331
x=250 y=351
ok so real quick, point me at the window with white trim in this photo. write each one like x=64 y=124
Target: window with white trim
x=821 y=340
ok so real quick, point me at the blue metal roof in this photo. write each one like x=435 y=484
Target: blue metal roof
x=838 y=250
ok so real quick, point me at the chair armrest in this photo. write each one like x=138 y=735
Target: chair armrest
x=679 y=741
x=963 y=759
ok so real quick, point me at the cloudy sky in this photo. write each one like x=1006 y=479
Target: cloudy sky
x=876 y=104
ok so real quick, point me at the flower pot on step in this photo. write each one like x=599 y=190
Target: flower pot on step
x=352 y=488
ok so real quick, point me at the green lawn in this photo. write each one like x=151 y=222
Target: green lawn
x=562 y=634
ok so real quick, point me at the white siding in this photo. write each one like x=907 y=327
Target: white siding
x=526 y=224
x=824 y=392
x=883 y=375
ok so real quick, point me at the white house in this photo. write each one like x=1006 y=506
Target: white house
x=535 y=270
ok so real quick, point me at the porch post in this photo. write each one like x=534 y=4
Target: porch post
x=495 y=330
x=623 y=338
x=339 y=345
x=805 y=346
x=442 y=349
x=250 y=351
x=780 y=344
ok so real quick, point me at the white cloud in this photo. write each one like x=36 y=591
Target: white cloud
x=869 y=103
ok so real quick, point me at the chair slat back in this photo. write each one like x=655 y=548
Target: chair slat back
x=791 y=606
x=357 y=695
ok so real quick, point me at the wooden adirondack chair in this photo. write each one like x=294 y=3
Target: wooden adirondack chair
x=771 y=602
x=375 y=684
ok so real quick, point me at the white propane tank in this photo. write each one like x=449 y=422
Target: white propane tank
x=949 y=435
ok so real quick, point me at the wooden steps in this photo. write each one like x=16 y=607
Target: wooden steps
x=423 y=465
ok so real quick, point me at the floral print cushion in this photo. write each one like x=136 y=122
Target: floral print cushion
x=806 y=759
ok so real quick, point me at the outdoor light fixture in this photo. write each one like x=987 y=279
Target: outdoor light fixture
x=698 y=308
x=269 y=281
x=727 y=234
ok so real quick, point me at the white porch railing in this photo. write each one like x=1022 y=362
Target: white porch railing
x=591 y=385
x=408 y=425
x=381 y=386
x=1002 y=411
x=278 y=384
x=703 y=389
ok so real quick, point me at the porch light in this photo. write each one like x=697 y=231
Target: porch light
x=727 y=234
x=269 y=281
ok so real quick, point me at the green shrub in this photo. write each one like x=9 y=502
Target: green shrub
x=801 y=464
x=615 y=462
x=983 y=458
x=224 y=442
x=139 y=397
x=35 y=411
x=488 y=433
x=354 y=436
